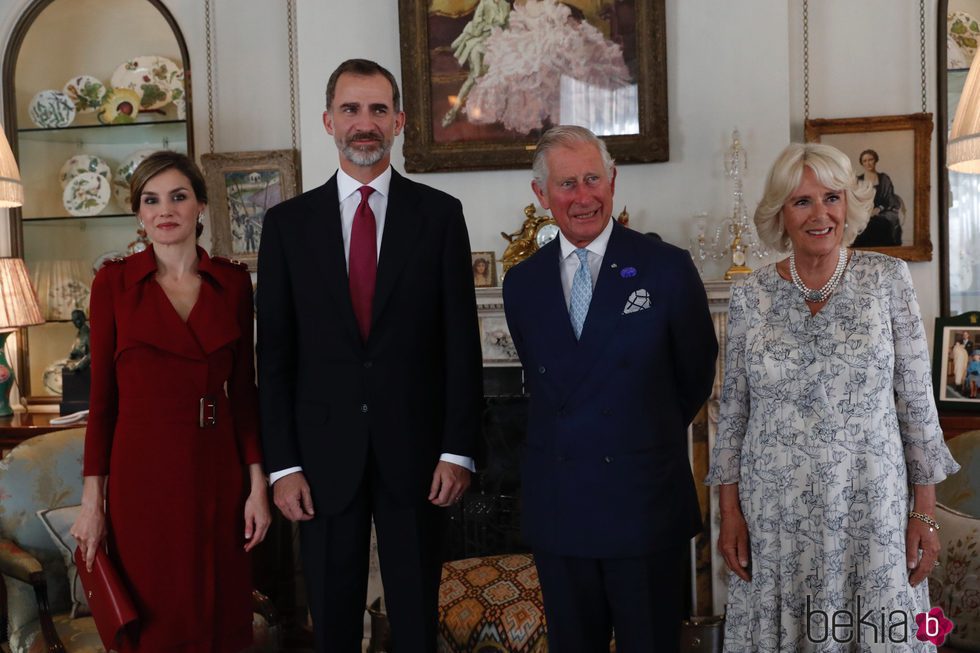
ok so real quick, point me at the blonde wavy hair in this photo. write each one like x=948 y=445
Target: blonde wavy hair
x=833 y=170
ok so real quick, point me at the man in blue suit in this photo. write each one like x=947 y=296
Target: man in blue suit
x=618 y=350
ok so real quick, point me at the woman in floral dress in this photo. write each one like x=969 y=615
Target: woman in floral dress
x=828 y=443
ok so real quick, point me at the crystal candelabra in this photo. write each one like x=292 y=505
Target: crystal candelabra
x=735 y=236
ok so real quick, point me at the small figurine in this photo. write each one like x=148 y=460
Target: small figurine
x=521 y=241
x=80 y=356
x=624 y=217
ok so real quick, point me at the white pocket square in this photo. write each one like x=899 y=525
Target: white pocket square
x=639 y=300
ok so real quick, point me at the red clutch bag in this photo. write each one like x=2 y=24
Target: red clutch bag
x=110 y=603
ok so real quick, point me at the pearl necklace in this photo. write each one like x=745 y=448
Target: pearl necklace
x=822 y=295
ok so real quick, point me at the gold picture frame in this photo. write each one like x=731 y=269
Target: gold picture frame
x=433 y=42
x=242 y=186
x=902 y=145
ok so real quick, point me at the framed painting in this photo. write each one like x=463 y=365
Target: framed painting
x=483 y=79
x=242 y=186
x=956 y=362
x=892 y=154
x=484 y=269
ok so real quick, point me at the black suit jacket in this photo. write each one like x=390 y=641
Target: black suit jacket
x=605 y=471
x=413 y=391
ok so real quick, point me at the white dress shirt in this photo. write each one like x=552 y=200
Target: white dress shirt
x=570 y=262
x=350 y=199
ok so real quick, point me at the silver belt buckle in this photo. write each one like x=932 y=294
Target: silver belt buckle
x=208 y=416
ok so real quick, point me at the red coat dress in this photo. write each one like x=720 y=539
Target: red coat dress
x=176 y=489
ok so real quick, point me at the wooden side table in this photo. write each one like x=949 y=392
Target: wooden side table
x=21 y=426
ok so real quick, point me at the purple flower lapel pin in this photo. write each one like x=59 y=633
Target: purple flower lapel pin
x=627 y=272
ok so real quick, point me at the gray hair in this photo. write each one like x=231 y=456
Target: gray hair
x=566 y=136
x=832 y=169
x=363 y=68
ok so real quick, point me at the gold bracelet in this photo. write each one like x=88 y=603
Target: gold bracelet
x=925 y=518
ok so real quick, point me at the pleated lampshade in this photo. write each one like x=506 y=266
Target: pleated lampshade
x=11 y=190
x=18 y=303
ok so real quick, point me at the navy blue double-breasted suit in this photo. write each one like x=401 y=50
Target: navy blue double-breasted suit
x=605 y=468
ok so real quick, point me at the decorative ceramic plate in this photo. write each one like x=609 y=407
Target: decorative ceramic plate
x=84 y=163
x=120 y=106
x=51 y=109
x=965 y=31
x=103 y=257
x=120 y=190
x=124 y=174
x=86 y=92
x=177 y=93
x=150 y=76
x=86 y=194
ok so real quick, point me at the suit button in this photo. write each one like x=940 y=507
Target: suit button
x=561 y=459
x=607 y=412
x=367 y=365
x=364 y=408
x=608 y=459
x=542 y=370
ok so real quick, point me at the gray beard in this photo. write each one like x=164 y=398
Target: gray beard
x=366 y=157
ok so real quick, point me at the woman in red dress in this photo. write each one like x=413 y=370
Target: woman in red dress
x=173 y=482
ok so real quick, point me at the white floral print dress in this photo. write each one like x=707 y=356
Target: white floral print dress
x=825 y=422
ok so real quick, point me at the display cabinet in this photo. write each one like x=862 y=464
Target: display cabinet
x=121 y=42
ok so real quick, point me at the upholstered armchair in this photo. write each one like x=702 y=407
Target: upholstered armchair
x=955 y=584
x=40 y=484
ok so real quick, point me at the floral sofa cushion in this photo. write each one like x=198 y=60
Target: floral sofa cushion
x=954 y=585
x=961 y=491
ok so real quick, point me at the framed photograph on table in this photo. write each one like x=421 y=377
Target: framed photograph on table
x=892 y=154
x=483 y=79
x=242 y=186
x=956 y=362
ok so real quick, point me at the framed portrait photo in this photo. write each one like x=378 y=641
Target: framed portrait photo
x=892 y=154
x=483 y=79
x=484 y=269
x=242 y=186
x=956 y=362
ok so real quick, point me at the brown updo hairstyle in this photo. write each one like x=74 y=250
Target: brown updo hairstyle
x=161 y=161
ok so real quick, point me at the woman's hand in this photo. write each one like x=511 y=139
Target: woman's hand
x=733 y=539
x=89 y=528
x=257 y=514
x=921 y=536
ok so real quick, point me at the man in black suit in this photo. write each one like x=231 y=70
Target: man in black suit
x=618 y=350
x=369 y=369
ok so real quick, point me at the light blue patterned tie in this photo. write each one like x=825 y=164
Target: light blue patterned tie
x=581 y=295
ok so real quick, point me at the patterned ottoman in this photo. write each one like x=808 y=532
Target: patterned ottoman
x=491 y=605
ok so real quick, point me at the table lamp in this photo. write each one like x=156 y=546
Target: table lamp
x=18 y=303
x=963 y=148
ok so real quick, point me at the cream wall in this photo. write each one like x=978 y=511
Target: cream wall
x=730 y=64
x=864 y=61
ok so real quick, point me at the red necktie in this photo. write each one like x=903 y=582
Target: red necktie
x=363 y=265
